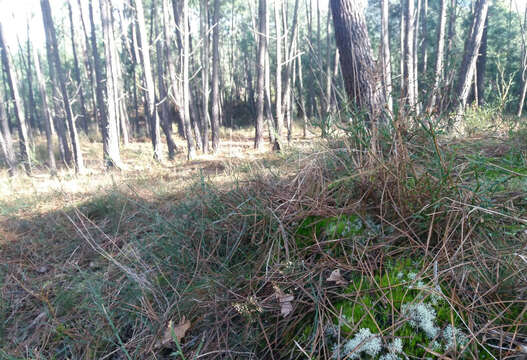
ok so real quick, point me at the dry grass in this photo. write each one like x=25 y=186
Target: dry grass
x=102 y=276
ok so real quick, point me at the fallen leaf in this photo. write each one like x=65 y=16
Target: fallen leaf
x=285 y=304
x=172 y=331
x=43 y=269
x=285 y=301
x=337 y=277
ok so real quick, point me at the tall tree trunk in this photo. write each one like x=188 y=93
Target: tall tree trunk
x=481 y=65
x=88 y=64
x=329 y=73
x=12 y=81
x=301 y=97
x=291 y=66
x=172 y=37
x=440 y=54
x=7 y=142
x=51 y=37
x=215 y=121
x=204 y=27
x=424 y=32
x=151 y=112
x=186 y=84
x=163 y=98
x=409 y=86
x=262 y=44
x=386 y=54
x=417 y=19
x=48 y=122
x=356 y=59
x=402 y=43
x=468 y=65
x=110 y=114
x=524 y=65
x=77 y=74
x=449 y=58
x=32 y=108
x=278 y=83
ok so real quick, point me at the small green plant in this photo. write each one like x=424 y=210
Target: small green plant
x=401 y=302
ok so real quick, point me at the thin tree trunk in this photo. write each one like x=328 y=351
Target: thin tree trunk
x=76 y=73
x=386 y=54
x=524 y=65
x=409 y=86
x=402 y=41
x=481 y=65
x=110 y=114
x=88 y=64
x=186 y=85
x=52 y=38
x=329 y=73
x=32 y=108
x=438 y=72
x=468 y=66
x=301 y=98
x=151 y=112
x=12 y=81
x=7 y=142
x=163 y=98
x=215 y=121
x=417 y=19
x=46 y=112
x=424 y=32
x=262 y=43
x=205 y=72
x=278 y=83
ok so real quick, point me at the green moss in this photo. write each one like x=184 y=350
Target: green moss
x=316 y=227
x=378 y=304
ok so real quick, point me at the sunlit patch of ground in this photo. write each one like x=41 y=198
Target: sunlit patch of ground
x=26 y=196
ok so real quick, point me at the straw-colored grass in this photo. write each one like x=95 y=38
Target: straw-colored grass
x=246 y=247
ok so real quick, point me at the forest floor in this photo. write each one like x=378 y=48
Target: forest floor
x=319 y=251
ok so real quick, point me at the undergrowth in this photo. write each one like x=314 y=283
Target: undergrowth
x=415 y=253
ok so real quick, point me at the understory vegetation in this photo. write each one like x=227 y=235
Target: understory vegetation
x=319 y=252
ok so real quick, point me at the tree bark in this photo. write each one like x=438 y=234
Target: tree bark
x=46 y=112
x=215 y=121
x=204 y=27
x=151 y=112
x=524 y=66
x=440 y=53
x=163 y=99
x=88 y=64
x=278 y=79
x=7 y=143
x=468 y=65
x=409 y=85
x=386 y=54
x=76 y=73
x=110 y=113
x=52 y=39
x=12 y=81
x=262 y=44
x=356 y=59
x=186 y=84
x=481 y=65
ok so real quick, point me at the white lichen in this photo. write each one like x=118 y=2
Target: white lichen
x=396 y=346
x=454 y=337
x=421 y=316
x=389 y=356
x=363 y=342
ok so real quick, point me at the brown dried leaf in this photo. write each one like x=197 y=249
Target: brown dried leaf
x=337 y=277
x=178 y=331
x=285 y=301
